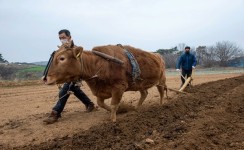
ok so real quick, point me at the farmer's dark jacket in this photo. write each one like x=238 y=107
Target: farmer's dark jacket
x=186 y=61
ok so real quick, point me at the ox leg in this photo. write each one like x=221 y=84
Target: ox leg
x=100 y=102
x=116 y=97
x=114 y=109
x=161 y=92
x=144 y=94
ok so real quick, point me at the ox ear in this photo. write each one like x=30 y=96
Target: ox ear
x=77 y=51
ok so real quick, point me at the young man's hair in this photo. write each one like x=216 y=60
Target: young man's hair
x=65 y=31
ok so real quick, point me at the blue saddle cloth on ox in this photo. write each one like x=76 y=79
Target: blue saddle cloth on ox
x=135 y=66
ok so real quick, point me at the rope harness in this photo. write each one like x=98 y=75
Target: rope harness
x=134 y=64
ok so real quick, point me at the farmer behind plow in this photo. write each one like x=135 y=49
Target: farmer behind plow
x=187 y=62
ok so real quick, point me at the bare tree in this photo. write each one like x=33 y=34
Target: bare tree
x=170 y=60
x=209 y=59
x=225 y=51
x=181 y=46
x=170 y=56
x=201 y=52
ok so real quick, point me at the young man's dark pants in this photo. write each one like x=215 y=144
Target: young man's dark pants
x=64 y=97
x=186 y=74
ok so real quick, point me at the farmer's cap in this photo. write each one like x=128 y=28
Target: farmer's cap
x=187 y=47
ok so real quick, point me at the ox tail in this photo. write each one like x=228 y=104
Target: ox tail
x=163 y=74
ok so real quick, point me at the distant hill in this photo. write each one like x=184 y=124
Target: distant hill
x=40 y=63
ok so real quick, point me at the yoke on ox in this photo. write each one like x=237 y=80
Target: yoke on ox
x=107 y=78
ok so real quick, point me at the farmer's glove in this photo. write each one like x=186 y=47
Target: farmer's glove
x=177 y=69
x=193 y=67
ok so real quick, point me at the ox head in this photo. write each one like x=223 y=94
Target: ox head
x=64 y=65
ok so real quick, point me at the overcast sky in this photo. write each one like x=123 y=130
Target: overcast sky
x=29 y=28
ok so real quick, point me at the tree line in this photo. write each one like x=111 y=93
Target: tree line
x=220 y=54
x=216 y=55
x=2 y=60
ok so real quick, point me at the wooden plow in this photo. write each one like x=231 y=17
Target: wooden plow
x=187 y=81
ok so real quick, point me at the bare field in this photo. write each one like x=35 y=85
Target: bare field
x=24 y=105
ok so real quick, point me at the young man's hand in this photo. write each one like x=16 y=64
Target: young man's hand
x=193 y=67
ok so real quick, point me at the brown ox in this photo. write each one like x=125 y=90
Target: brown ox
x=105 y=78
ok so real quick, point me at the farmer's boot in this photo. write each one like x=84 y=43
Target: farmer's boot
x=53 y=117
x=90 y=107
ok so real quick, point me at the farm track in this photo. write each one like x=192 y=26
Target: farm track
x=20 y=91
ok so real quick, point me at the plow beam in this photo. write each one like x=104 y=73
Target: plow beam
x=185 y=84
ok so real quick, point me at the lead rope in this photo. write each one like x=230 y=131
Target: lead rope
x=82 y=67
x=68 y=92
x=95 y=75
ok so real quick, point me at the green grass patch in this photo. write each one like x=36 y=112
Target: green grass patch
x=31 y=72
x=34 y=69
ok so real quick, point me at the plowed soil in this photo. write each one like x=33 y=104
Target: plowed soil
x=209 y=116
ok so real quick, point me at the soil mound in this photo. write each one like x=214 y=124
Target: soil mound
x=211 y=116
